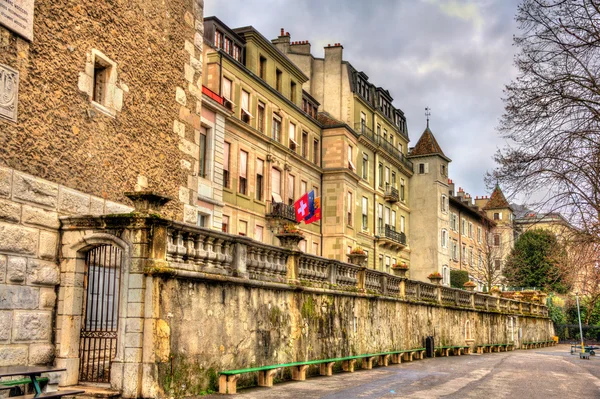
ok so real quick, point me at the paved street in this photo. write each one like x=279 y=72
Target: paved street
x=538 y=373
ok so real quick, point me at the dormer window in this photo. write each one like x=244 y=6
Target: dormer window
x=237 y=52
x=218 y=39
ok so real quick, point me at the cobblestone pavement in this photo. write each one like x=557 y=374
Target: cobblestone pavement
x=536 y=373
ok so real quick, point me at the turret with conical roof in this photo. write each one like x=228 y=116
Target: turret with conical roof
x=428 y=145
x=429 y=219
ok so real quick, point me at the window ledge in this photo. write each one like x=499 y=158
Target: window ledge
x=105 y=110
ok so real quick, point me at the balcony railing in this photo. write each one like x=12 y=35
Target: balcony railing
x=361 y=128
x=281 y=210
x=391 y=194
x=391 y=234
x=388 y=147
x=394 y=152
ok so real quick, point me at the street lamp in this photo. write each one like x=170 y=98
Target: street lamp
x=579 y=317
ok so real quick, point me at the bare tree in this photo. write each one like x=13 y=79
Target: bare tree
x=552 y=111
x=583 y=267
x=487 y=268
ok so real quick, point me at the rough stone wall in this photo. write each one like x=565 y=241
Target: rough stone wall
x=210 y=326
x=29 y=239
x=62 y=137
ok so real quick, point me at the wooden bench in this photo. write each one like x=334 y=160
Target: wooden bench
x=489 y=348
x=456 y=350
x=228 y=379
x=34 y=373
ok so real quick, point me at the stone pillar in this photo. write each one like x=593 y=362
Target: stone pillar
x=360 y=279
x=403 y=288
x=240 y=258
x=292 y=264
x=332 y=272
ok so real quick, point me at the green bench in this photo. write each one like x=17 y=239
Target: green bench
x=456 y=350
x=21 y=381
x=228 y=379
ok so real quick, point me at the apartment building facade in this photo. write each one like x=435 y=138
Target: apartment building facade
x=272 y=138
x=366 y=172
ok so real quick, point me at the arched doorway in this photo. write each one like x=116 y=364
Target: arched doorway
x=98 y=337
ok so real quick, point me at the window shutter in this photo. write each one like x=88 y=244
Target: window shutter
x=291 y=184
x=276 y=184
x=427 y=167
x=245 y=100
x=500 y=215
x=243 y=163
x=227 y=88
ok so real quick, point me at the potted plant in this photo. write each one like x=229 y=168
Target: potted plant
x=289 y=236
x=517 y=296
x=435 y=278
x=470 y=285
x=400 y=269
x=357 y=256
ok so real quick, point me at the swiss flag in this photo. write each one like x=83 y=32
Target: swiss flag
x=302 y=206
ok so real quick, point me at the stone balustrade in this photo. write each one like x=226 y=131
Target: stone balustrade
x=193 y=251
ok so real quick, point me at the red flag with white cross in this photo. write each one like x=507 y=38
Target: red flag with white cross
x=302 y=208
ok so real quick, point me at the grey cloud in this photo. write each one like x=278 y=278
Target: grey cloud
x=468 y=51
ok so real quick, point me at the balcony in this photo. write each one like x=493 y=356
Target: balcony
x=394 y=152
x=391 y=238
x=362 y=129
x=380 y=142
x=279 y=210
x=391 y=194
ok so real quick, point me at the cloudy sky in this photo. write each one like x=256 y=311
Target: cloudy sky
x=454 y=56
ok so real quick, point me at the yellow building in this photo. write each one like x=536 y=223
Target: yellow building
x=272 y=139
x=365 y=169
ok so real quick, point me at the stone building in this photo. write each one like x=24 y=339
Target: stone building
x=430 y=223
x=366 y=172
x=98 y=99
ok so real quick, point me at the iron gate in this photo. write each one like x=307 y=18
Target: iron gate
x=98 y=339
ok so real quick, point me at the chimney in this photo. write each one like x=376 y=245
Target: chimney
x=283 y=41
x=332 y=69
x=302 y=47
x=481 y=201
x=451 y=188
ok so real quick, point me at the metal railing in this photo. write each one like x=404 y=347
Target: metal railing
x=364 y=130
x=391 y=194
x=390 y=233
x=282 y=210
x=388 y=147
x=393 y=151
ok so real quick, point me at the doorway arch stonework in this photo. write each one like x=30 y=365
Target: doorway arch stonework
x=74 y=247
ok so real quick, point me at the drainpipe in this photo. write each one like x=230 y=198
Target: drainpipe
x=375 y=164
x=322 y=193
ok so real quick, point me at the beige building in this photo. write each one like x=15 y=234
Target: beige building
x=271 y=147
x=430 y=218
x=366 y=172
